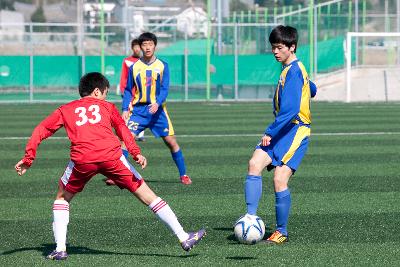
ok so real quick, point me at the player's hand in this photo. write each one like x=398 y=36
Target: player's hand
x=125 y=116
x=141 y=160
x=266 y=140
x=21 y=168
x=153 y=108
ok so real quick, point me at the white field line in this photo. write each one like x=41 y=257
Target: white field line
x=228 y=135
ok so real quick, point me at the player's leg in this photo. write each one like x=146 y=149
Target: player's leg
x=69 y=184
x=125 y=153
x=253 y=183
x=136 y=123
x=165 y=214
x=282 y=203
x=177 y=156
x=61 y=217
x=140 y=137
x=125 y=176
x=290 y=151
x=125 y=116
x=60 y=225
x=161 y=126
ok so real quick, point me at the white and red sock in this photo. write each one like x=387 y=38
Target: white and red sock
x=168 y=217
x=60 y=223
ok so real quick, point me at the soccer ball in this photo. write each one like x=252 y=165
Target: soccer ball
x=249 y=229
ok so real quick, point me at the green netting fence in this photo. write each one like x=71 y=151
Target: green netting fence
x=57 y=77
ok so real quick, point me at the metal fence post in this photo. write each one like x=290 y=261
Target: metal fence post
x=311 y=35
x=315 y=42
x=127 y=48
x=31 y=63
x=348 y=67
x=356 y=18
x=186 y=65
x=236 y=70
x=398 y=29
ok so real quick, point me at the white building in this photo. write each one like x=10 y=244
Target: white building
x=11 y=25
x=193 y=21
x=94 y=9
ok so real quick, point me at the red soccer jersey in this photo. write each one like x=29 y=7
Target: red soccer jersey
x=126 y=64
x=89 y=124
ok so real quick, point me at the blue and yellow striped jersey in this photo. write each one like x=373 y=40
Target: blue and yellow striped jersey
x=292 y=98
x=151 y=83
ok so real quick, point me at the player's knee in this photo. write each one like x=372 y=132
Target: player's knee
x=171 y=143
x=254 y=167
x=280 y=183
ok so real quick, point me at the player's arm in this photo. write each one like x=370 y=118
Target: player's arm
x=125 y=135
x=313 y=88
x=123 y=77
x=44 y=130
x=164 y=87
x=130 y=83
x=289 y=103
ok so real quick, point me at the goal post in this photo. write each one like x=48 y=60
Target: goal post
x=383 y=51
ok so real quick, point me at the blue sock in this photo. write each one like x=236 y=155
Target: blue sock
x=282 y=209
x=125 y=153
x=179 y=161
x=252 y=192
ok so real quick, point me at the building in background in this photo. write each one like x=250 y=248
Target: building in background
x=8 y=31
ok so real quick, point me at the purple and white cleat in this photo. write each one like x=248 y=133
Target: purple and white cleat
x=194 y=239
x=57 y=255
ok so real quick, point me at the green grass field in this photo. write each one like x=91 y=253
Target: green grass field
x=345 y=196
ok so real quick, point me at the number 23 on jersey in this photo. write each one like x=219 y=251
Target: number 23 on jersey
x=90 y=115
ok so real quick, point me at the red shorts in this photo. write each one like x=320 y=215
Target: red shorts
x=120 y=171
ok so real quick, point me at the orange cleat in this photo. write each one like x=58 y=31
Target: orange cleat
x=185 y=179
x=277 y=238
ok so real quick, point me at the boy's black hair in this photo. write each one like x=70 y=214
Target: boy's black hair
x=135 y=42
x=147 y=36
x=284 y=35
x=91 y=81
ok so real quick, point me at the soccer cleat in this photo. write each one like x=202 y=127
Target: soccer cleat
x=277 y=238
x=194 y=239
x=57 y=255
x=140 y=139
x=109 y=182
x=185 y=179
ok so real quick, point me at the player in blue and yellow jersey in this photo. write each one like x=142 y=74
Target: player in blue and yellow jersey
x=146 y=108
x=285 y=140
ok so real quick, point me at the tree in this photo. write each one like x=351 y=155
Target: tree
x=7 y=4
x=237 y=5
x=38 y=16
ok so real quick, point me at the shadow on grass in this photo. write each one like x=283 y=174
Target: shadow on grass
x=150 y=181
x=231 y=237
x=76 y=250
x=241 y=258
x=224 y=229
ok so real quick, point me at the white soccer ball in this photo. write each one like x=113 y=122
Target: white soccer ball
x=249 y=229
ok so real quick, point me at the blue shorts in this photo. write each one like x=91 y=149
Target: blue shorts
x=159 y=122
x=289 y=147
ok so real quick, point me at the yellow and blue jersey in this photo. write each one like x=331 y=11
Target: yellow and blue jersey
x=151 y=83
x=291 y=103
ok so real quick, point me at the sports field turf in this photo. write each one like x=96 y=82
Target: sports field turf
x=346 y=201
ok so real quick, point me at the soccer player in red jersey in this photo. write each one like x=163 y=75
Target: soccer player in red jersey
x=127 y=63
x=89 y=123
